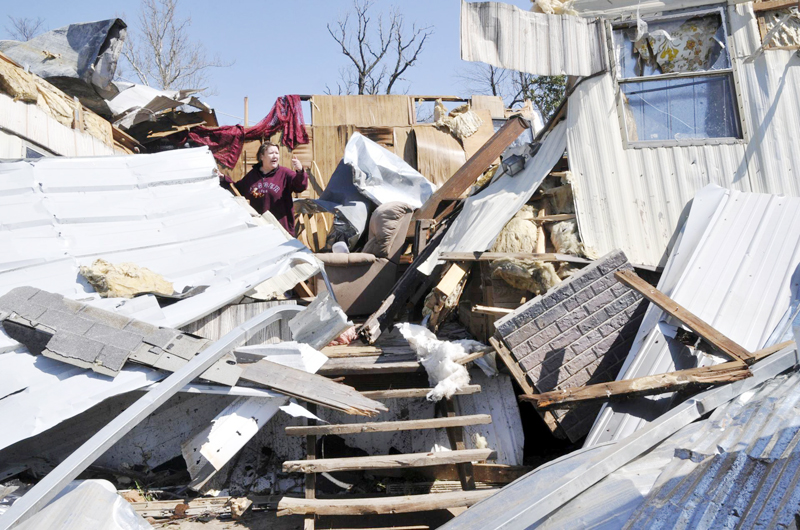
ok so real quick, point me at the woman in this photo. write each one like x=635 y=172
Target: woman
x=269 y=187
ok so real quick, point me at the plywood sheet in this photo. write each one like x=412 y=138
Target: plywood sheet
x=364 y=111
x=473 y=143
x=494 y=104
x=439 y=153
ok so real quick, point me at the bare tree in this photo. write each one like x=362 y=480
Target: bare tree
x=485 y=79
x=380 y=53
x=545 y=92
x=161 y=53
x=24 y=29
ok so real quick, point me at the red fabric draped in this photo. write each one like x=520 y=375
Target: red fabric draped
x=226 y=142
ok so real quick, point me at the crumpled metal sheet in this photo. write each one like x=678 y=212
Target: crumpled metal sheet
x=138 y=103
x=383 y=176
x=76 y=58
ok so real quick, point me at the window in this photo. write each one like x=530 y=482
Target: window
x=675 y=79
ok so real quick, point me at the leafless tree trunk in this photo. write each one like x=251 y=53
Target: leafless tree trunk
x=24 y=29
x=484 y=79
x=380 y=53
x=161 y=53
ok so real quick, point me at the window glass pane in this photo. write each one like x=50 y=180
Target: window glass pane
x=679 y=109
x=690 y=44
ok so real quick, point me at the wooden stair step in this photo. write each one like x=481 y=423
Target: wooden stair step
x=376 y=364
x=382 y=505
x=395 y=393
x=390 y=426
x=399 y=461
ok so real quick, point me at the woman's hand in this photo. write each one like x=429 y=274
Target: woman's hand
x=296 y=165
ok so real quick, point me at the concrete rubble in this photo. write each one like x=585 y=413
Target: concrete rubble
x=586 y=323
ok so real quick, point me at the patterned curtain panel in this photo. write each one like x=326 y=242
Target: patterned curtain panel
x=688 y=45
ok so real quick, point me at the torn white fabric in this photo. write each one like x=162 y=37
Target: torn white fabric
x=485 y=214
x=439 y=358
x=383 y=176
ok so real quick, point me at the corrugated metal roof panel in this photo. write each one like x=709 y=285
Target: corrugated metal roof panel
x=166 y=212
x=508 y=37
x=733 y=268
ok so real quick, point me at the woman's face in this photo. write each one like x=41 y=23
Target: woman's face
x=270 y=159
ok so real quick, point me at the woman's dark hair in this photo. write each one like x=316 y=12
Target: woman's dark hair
x=263 y=149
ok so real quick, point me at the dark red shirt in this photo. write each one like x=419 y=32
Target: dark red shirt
x=272 y=192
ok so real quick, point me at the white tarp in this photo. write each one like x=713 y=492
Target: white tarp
x=485 y=214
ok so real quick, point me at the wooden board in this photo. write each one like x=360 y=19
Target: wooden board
x=382 y=505
x=474 y=167
x=402 y=461
x=439 y=154
x=397 y=393
x=311 y=387
x=364 y=111
x=675 y=310
x=491 y=256
x=493 y=104
x=403 y=363
x=391 y=426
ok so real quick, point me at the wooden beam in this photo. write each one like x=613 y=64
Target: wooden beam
x=475 y=355
x=650 y=384
x=493 y=311
x=201 y=506
x=378 y=364
x=641 y=386
x=553 y=218
x=491 y=256
x=474 y=167
x=455 y=435
x=397 y=393
x=672 y=308
x=390 y=426
x=520 y=376
x=382 y=505
x=310 y=488
x=311 y=387
x=410 y=460
x=759 y=7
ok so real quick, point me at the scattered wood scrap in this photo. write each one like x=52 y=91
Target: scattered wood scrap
x=311 y=387
x=446 y=294
x=390 y=426
x=672 y=308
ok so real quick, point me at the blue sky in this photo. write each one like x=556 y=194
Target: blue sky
x=278 y=47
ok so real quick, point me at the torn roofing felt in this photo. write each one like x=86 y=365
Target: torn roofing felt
x=166 y=212
x=733 y=266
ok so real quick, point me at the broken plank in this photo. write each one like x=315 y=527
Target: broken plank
x=689 y=319
x=382 y=505
x=491 y=256
x=311 y=387
x=554 y=218
x=341 y=352
x=513 y=366
x=379 y=364
x=769 y=5
x=641 y=386
x=493 y=311
x=201 y=506
x=390 y=426
x=475 y=355
x=402 y=461
x=473 y=168
x=396 y=393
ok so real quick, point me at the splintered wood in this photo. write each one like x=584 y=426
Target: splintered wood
x=312 y=388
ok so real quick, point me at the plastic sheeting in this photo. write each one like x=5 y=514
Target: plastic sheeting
x=137 y=103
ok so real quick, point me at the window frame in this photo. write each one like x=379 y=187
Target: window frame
x=730 y=72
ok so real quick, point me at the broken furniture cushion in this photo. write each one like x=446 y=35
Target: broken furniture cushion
x=385 y=228
x=578 y=333
x=85 y=336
